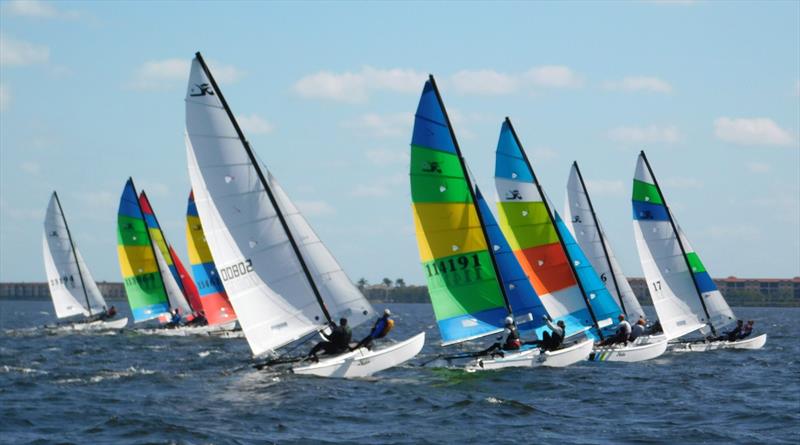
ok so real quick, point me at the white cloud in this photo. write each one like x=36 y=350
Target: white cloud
x=354 y=87
x=493 y=83
x=640 y=83
x=554 y=76
x=315 y=208
x=380 y=187
x=37 y=9
x=386 y=125
x=369 y=191
x=5 y=97
x=751 y=131
x=604 y=187
x=652 y=133
x=15 y=52
x=159 y=75
x=30 y=167
x=255 y=124
x=683 y=183
x=758 y=167
x=488 y=82
x=383 y=156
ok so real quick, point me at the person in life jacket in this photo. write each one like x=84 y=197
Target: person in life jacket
x=512 y=341
x=380 y=329
x=550 y=340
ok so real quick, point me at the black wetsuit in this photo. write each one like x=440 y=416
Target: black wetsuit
x=337 y=342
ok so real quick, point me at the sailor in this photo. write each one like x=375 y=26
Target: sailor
x=109 y=313
x=638 y=329
x=655 y=328
x=734 y=333
x=380 y=329
x=622 y=335
x=336 y=342
x=512 y=341
x=551 y=342
x=175 y=320
x=747 y=330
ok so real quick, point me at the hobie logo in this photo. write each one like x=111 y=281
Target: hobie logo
x=577 y=219
x=432 y=167
x=201 y=89
x=513 y=194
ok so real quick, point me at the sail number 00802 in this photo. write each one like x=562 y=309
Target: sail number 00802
x=237 y=270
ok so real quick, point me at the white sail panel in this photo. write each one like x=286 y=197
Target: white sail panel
x=342 y=297
x=174 y=294
x=63 y=274
x=97 y=303
x=594 y=243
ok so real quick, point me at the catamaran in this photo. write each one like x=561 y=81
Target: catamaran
x=684 y=295
x=473 y=287
x=281 y=279
x=586 y=229
x=562 y=276
x=72 y=288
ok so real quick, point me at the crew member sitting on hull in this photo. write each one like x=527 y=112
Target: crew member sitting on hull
x=380 y=329
x=551 y=341
x=621 y=336
x=747 y=330
x=336 y=342
x=731 y=335
x=175 y=319
x=199 y=319
x=638 y=329
x=511 y=343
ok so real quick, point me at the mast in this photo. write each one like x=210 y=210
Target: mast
x=472 y=194
x=74 y=253
x=169 y=251
x=267 y=188
x=555 y=227
x=152 y=248
x=602 y=238
x=680 y=243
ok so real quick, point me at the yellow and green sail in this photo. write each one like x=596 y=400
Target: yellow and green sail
x=143 y=283
x=463 y=285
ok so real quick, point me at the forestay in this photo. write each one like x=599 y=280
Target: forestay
x=217 y=308
x=72 y=287
x=585 y=227
x=666 y=267
x=269 y=285
x=468 y=301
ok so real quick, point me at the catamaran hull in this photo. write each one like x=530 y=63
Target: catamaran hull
x=748 y=343
x=534 y=357
x=630 y=353
x=97 y=325
x=363 y=362
x=183 y=331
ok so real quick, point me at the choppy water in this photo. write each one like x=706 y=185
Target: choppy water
x=129 y=388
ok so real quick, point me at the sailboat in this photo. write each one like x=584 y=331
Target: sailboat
x=280 y=278
x=560 y=272
x=72 y=288
x=212 y=294
x=474 y=281
x=684 y=295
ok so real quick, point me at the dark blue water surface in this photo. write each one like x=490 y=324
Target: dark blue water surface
x=129 y=388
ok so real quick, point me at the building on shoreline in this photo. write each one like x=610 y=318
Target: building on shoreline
x=738 y=291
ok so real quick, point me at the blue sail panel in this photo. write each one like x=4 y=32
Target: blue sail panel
x=526 y=305
x=474 y=325
x=430 y=125
x=602 y=302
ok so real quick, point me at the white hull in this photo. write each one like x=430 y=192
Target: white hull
x=182 y=331
x=97 y=325
x=645 y=349
x=747 y=343
x=534 y=357
x=363 y=362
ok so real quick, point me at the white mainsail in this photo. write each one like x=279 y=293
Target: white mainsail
x=264 y=278
x=174 y=293
x=669 y=279
x=586 y=229
x=72 y=287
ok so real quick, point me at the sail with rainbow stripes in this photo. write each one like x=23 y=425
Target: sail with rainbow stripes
x=683 y=293
x=468 y=298
x=212 y=294
x=559 y=271
x=144 y=286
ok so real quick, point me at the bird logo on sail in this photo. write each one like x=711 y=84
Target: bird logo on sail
x=514 y=194
x=204 y=88
x=432 y=167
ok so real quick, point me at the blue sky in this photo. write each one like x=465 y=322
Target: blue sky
x=92 y=92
